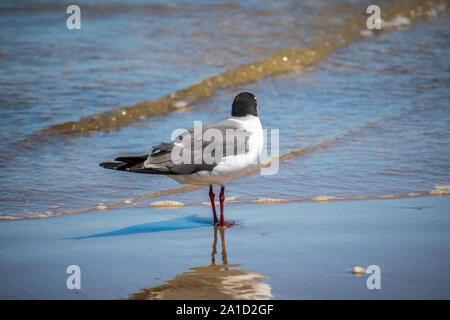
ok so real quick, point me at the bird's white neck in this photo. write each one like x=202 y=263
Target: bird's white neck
x=247 y=117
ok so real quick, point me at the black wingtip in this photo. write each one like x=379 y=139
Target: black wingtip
x=135 y=160
x=112 y=165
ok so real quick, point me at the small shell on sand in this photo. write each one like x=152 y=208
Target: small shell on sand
x=358 y=271
x=268 y=200
x=46 y=214
x=127 y=201
x=166 y=204
x=101 y=206
x=440 y=190
x=366 y=33
x=324 y=199
x=180 y=104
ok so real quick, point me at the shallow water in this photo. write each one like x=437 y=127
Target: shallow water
x=371 y=114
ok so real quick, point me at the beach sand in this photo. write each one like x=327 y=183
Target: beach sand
x=284 y=251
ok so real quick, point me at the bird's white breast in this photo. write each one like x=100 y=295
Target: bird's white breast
x=256 y=140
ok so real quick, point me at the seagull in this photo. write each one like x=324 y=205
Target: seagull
x=206 y=155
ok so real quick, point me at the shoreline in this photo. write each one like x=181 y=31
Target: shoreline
x=437 y=192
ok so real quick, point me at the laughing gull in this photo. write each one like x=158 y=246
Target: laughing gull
x=206 y=155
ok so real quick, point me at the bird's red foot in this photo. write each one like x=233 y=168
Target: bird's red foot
x=226 y=224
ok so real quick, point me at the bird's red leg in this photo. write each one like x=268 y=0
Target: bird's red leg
x=213 y=204
x=222 y=198
x=222 y=222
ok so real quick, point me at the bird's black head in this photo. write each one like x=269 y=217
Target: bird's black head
x=244 y=104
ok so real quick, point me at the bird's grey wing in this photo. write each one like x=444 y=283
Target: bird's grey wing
x=231 y=138
x=160 y=157
x=200 y=148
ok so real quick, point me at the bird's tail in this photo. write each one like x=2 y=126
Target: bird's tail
x=132 y=164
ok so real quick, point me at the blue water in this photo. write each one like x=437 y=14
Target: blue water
x=380 y=104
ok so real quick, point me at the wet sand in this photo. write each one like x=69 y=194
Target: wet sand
x=284 y=251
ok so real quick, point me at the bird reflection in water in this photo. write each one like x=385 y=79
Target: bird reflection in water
x=216 y=281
